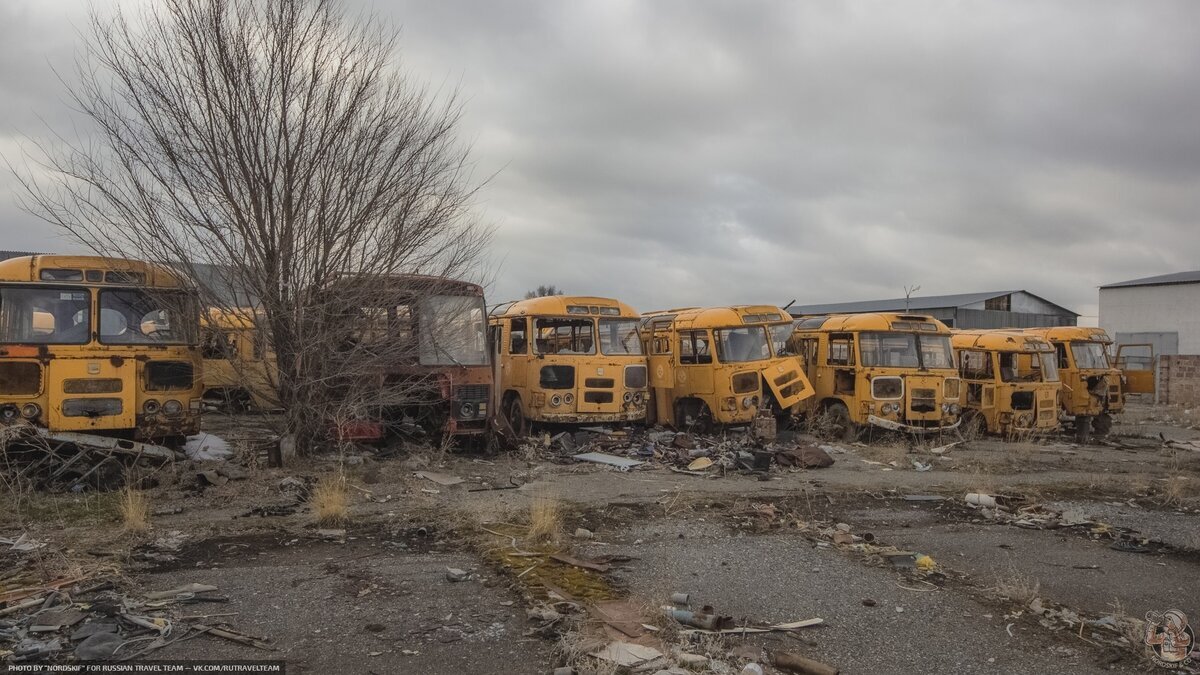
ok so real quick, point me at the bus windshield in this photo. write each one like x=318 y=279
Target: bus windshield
x=781 y=339
x=1089 y=355
x=619 y=337
x=44 y=315
x=1028 y=367
x=143 y=317
x=905 y=350
x=452 y=329
x=736 y=345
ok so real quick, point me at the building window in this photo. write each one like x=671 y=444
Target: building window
x=1001 y=303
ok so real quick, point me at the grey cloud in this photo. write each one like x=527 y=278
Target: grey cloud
x=676 y=153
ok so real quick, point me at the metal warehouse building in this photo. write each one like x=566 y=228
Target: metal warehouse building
x=997 y=309
x=1163 y=311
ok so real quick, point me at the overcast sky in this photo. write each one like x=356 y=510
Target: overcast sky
x=682 y=153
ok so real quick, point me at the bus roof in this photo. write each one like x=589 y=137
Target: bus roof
x=59 y=269
x=565 y=305
x=388 y=285
x=719 y=317
x=1070 y=333
x=999 y=340
x=879 y=321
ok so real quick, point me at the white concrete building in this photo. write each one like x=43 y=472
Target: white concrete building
x=1162 y=310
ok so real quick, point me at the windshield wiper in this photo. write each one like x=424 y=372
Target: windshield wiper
x=443 y=350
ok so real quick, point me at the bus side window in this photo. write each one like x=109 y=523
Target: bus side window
x=687 y=350
x=808 y=351
x=517 y=344
x=840 y=351
x=976 y=365
x=660 y=344
x=1060 y=348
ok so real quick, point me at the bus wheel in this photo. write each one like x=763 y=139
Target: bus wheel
x=1083 y=429
x=516 y=417
x=1102 y=424
x=840 y=423
x=974 y=425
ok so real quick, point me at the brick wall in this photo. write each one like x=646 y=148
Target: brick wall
x=1179 y=379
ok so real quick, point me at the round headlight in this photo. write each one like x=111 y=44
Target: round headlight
x=466 y=409
x=151 y=406
x=568 y=398
x=31 y=410
x=172 y=407
x=945 y=407
x=746 y=402
x=955 y=408
x=9 y=412
x=627 y=397
x=556 y=400
x=637 y=398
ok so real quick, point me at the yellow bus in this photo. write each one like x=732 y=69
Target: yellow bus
x=239 y=366
x=1010 y=381
x=884 y=370
x=721 y=365
x=1092 y=389
x=567 y=359
x=99 y=345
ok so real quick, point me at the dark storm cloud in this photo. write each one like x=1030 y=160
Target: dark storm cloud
x=678 y=153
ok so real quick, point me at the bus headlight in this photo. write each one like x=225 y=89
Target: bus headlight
x=568 y=398
x=151 y=406
x=638 y=398
x=9 y=413
x=945 y=407
x=172 y=407
x=556 y=401
x=889 y=408
x=628 y=397
x=955 y=408
x=31 y=410
x=466 y=410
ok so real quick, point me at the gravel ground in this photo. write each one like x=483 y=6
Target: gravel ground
x=1170 y=527
x=354 y=608
x=782 y=577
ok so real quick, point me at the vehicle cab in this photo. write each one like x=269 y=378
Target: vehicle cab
x=1010 y=380
x=885 y=370
x=567 y=360
x=721 y=365
x=1092 y=389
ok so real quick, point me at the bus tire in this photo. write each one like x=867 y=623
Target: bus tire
x=1102 y=424
x=516 y=417
x=842 y=426
x=1083 y=429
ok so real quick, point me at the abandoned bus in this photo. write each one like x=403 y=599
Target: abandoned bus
x=1011 y=382
x=239 y=366
x=98 y=345
x=886 y=370
x=568 y=359
x=721 y=365
x=1092 y=389
x=427 y=338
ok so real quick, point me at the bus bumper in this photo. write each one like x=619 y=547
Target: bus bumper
x=908 y=428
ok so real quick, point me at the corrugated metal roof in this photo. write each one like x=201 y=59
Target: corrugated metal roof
x=915 y=304
x=5 y=255
x=1160 y=280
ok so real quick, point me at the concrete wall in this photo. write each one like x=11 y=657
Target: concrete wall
x=1144 y=309
x=1179 y=380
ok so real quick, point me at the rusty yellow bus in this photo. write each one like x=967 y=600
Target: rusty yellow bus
x=99 y=345
x=567 y=359
x=1092 y=389
x=239 y=366
x=721 y=366
x=1010 y=380
x=884 y=370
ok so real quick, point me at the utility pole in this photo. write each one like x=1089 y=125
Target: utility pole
x=908 y=291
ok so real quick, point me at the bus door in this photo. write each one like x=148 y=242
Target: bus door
x=662 y=374
x=695 y=372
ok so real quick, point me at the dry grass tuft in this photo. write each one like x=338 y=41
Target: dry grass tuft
x=545 y=520
x=135 y=510
x=1018 y=587
x=1176 y=490
x=331 y=500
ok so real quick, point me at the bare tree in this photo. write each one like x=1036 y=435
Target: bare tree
x=543 y=291
x=273 y=147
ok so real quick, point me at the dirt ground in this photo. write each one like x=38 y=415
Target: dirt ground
x=374 y=596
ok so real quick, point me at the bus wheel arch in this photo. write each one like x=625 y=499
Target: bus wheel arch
x=694 y=414
x=514 y=413
x=841 y=424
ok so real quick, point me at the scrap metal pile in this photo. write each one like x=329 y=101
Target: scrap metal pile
x=42 y=459
x=734 y=451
